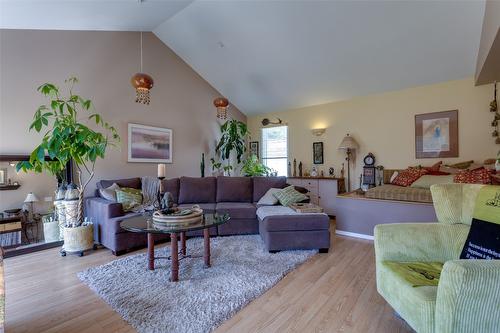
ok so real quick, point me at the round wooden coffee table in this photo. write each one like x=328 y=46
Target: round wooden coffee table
x=144 y=224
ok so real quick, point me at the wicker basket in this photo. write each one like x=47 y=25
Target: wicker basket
x=78 y=239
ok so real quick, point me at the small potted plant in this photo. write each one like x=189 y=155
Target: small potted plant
x=67 y=138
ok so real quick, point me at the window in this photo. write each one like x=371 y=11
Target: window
x=275 y=148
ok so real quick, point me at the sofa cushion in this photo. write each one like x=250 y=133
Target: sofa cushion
x=415 y=304
x=289 y=195
x=128 y=182
x=262 y=184
x=268 y=199
x=130 y=198
x=172 y=186
x=197 y=190
x=207 y=207
x=234 y=189
x=237 y=210
x=109 y=193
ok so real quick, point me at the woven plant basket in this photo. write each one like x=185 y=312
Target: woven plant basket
x=78 y=239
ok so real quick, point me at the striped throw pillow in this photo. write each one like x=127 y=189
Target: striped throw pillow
x=289 y=195
x=130 y=198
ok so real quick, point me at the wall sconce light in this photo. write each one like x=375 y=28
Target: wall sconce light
x=12 y=163
x=318 y=131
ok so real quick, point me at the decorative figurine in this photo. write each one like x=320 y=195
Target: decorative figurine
x=289 y=169
x=331 y=172
x=167 y=203
x=314 y=172
x=300 y=169
x=342 y=171
x=322 y=173
x=294 y=167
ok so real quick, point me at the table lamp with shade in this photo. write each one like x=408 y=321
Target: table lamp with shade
x=349 y=145
x=31 y=198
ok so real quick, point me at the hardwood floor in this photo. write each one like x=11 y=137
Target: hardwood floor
x=332 y=292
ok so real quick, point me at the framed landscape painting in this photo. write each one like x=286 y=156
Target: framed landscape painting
x=436 y=134
x=149 y=144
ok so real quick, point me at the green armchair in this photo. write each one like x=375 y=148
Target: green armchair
x=467 y=298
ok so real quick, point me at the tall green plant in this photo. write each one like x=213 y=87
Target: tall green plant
x=67 y=138
x=233 y=137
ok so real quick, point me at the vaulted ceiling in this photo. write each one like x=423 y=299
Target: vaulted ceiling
x=273 y=55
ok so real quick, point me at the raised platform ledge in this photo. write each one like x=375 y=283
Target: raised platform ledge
x=353 y=234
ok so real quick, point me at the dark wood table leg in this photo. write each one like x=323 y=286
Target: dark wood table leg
x=183 y=243
x=151 y=251
x=174 y=249
x=206 y=238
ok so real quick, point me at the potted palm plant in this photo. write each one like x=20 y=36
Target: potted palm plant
x=68 y=137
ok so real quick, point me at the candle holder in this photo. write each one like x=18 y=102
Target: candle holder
x=160 y=191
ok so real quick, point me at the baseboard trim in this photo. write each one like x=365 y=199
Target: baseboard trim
x=353 y=234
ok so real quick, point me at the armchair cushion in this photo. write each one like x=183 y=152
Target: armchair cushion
x=415 y=304
x=454 y=203
x=419 y=241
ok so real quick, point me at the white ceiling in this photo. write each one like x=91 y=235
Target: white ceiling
x=109 y=15
x=287 y=54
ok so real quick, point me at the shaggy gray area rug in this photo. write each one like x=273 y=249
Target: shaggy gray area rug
x=204 y=297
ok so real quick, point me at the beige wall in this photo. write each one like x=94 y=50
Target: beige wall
x=104 y=63
x=384 y=125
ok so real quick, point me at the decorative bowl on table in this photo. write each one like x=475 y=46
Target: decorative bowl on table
x=178 y=218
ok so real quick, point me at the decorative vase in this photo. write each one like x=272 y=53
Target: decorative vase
x=51 y=231
x=202 y=165
x=71 y=206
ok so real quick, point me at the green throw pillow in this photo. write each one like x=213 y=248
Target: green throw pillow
x=289 y=195
x=129 y=198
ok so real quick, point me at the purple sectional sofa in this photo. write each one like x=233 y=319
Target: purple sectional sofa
x=280 y=229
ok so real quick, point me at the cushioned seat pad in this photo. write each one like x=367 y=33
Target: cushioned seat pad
x=237 y=210
x=415 y=304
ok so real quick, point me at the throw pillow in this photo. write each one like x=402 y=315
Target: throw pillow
x=269 y=199
x=427 y=180
x=130 y=198
x=289 y=195
x=109 y=193
x=407 y=177
x=483 y=241
x=434 y=167
x=477 y=176
x=461 y=165
x=394 y=175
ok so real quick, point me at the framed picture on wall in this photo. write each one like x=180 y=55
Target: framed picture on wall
x=3 y=176
x=318 y=153
x=149 y=144
x=254 y=148
x=436 y=134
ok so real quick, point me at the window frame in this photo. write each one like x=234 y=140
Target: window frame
x=261 y=148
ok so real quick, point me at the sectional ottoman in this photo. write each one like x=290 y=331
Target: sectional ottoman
x=281 y=228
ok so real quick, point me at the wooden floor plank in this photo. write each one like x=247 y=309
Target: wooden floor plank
x=332 y=292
